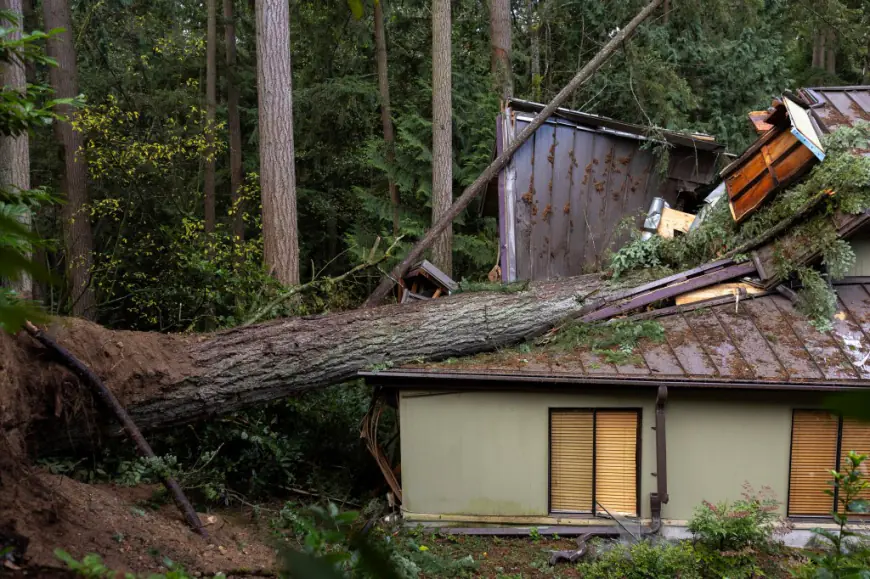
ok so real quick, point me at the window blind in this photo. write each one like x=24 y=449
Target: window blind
x=813 y=457
x=616 y=461
x=571 y=448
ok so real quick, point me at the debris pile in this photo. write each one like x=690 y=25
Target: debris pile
x=793 y=198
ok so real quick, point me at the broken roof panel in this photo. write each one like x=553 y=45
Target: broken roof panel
x=838 y=106
x=765 y=342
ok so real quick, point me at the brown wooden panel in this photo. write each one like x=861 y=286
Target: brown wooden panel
x=571 y=462
x=686 y=347
x=794 y=164
x=616 y=461
x=741 y=180
x=724 y=355
x=541 y=208
x=813 y=457
x=749 y=341
x=524 y=192
x=775 y=327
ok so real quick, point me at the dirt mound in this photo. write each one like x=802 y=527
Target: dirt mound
x=54 y=511
x=43 y=407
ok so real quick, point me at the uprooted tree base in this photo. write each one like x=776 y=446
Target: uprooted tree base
x=166 y=380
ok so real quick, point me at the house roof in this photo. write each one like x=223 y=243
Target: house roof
x=838 y=106
x=765 y=343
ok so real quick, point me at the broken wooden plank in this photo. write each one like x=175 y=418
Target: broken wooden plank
x=673 y=221
x=639 y=301
x=737 y=290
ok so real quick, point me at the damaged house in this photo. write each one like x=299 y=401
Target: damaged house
x=671 y=403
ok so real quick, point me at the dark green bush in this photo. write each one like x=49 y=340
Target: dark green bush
x=643 y=560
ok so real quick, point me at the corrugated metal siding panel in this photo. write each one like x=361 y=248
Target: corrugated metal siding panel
x=574 y=185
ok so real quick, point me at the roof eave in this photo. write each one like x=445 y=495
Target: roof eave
x=416 y=379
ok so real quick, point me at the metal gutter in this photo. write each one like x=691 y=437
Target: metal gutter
x=417 y=379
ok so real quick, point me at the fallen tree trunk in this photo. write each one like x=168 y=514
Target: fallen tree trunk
x=166 y=380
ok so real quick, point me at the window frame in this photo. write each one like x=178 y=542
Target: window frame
x=637 y=456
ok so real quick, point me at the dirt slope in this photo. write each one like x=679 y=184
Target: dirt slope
x=57 y=512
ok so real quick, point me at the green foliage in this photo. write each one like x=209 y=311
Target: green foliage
x=92 y=567
x=846 y=554
x=309 y=442
x=642 y=560
x=733 y=538
x=637 y=254
x=20 y=112
x=615 y=341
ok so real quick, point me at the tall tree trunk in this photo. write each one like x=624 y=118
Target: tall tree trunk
x=78 y=239
x=500 y=40
x=535 y=42
x=386 y=115
x=166 y=380
x=15 y=151
x=479 y=184
x=831 y=52
x=442 y=132
x=277 y=170
x=235 y=124
x=211 y=107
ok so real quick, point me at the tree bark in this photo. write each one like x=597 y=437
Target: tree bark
x=235 y=124
x=500 y=40
x=15 y=151
x=831 y=52
x=277 y=170
x=165 y=380
x=473 y=190
x=535 y=49
x=442 y=134
x=211 y=107
x=386 y=115
x=78 y=238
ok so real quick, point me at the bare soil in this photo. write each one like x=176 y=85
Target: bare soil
x=121 y=525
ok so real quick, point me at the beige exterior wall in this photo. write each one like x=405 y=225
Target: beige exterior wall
x=486 y=453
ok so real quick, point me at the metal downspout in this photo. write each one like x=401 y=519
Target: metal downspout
x=660 y=497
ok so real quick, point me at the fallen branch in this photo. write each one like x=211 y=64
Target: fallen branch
x=783 y=225
x=284 y=296
x=104 y=394
x=490 y=172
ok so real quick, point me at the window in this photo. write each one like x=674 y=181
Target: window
x=820 y=442
x=594 y=461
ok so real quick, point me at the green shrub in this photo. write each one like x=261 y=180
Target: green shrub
x=738 y=539
x=749 y=522
x=844 y=552
x=643 y=560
